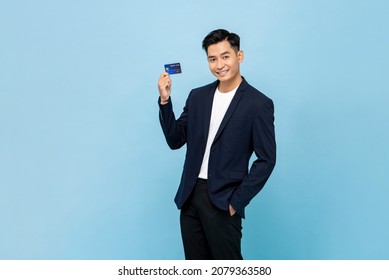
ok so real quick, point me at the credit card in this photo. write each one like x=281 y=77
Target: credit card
x=173 y=68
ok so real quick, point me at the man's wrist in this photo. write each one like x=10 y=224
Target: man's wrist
x=163 y=101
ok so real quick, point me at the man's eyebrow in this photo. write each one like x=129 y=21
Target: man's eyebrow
x=224 y=53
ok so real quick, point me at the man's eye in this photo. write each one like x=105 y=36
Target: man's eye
x=226 y=57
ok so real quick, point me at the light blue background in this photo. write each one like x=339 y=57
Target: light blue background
x=85 y=172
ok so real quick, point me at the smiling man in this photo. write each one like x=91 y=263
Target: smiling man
x=222 y=125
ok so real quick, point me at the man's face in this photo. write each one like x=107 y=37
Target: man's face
x=224 y=61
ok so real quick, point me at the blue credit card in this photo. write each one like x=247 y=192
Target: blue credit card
x=173 y=68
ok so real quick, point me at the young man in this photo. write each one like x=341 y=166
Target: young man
x=222 y=124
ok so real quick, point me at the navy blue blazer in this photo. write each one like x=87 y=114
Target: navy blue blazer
x=247 y=127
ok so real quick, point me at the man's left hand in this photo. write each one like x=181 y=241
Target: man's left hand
x=232 y=210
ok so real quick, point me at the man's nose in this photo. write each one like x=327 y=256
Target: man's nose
x=220 y=64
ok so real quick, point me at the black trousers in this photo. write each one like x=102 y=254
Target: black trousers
x=209 y=233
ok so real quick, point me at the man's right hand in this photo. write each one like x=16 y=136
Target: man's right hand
x=164 y=87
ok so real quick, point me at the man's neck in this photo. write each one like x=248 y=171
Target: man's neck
x=227 y=86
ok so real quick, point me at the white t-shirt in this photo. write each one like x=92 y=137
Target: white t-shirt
x=221 y=101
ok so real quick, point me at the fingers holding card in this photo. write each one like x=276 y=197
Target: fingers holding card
x=164 y=87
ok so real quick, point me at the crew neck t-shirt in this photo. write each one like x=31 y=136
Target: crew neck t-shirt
x=221 y=102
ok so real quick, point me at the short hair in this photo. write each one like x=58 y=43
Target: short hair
x=220 y=35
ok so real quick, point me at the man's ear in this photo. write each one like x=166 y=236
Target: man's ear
x=240 y=56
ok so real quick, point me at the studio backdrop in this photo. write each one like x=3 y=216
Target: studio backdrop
x=85 y=172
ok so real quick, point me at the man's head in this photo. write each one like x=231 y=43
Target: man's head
x=220 y=35
x=224 y=57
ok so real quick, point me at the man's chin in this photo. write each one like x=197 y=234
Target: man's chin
x=223 y=79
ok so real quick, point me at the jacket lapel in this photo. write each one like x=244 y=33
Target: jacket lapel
x=207 y=105
x=231 y=108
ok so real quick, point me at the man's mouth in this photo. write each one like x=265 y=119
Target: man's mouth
x=222 y=73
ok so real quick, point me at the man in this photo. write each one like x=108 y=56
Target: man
x=222 y=124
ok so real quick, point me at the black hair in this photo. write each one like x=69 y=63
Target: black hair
x=220 y=35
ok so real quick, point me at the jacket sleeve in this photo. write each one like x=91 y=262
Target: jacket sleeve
x=174 y=130
x=263 y=138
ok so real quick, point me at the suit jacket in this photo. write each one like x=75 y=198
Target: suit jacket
x=247 y=127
